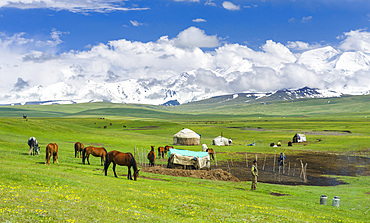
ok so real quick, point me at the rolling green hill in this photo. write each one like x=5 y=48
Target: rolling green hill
x=71 y=192
x=221 y=107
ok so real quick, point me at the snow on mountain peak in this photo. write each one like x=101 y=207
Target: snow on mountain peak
x=353 y=61
x=320 y=59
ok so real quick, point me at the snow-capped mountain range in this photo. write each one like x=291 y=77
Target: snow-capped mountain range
x=325 y=71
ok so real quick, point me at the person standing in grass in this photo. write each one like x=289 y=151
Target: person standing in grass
x=254 y=172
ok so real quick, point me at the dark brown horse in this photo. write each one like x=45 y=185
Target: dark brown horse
x=161 y=152
x=167 y=148
x=211 y=153
x=95 y=151
x=122 y=159
x=151 y=157
x=51 y=149
x=79 y=147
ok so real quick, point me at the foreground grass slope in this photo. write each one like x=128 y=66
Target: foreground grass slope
x=71 y=192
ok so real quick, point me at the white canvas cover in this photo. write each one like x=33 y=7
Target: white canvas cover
x=192 y=160
x=204 y=147
x=186 y=137
x=300 y=137
x=220 y=141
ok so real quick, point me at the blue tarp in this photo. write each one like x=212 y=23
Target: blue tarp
x=188 y=153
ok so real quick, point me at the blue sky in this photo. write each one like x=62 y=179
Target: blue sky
x=247 y=45
x=238 y=21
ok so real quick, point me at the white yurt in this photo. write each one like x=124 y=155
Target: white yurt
x=186 y=137
x=220 y=141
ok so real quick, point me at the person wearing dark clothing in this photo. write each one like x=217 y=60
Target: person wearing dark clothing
x=281 y=159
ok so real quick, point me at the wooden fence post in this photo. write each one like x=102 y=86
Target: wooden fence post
x=274 y=162
x=246 y=158
x=283 y=164
x=305 y=173
x=138 y=155
x=215 y=159
x=264 y=162
x=142 y=156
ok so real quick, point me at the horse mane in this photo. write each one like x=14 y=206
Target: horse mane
x=133 y=162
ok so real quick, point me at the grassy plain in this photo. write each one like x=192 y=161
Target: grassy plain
x=71 y=192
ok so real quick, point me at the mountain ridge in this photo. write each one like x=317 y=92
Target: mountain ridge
x=280 y=95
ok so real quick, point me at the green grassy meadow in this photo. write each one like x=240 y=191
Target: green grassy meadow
x=31 y=191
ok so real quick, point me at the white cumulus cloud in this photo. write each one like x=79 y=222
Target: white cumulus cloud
x=194 y=37
x=199 y=20
x=76 y=6
x=229 y=68
x=358 y=40
x=230 y=6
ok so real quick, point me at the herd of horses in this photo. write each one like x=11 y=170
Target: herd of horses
x=115 y=157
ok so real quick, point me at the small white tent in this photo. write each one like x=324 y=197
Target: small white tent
x=299 y=138
x=220 y=141
x=186 y=137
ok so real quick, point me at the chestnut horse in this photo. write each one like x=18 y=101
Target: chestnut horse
x=95 y=151
x=122 y=159
x=151 y=157
x=78 y=149
x=167 y=148
x=161 y=151
x=211 y=153
x=51 y=149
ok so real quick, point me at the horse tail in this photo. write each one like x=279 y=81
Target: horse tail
x=105 y=150
x=47 y=153
x=83 y=155
x=76 y=149
x=106 y=164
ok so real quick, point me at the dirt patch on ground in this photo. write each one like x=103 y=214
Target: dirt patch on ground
x=96 y=144
x=144 y=127
x=322 y=169
x=216 y=174
x=249 y=128
x=278 y=194
x=328 y=132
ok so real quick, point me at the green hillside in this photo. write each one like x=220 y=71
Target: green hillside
x=348 y=106
x=71 y=192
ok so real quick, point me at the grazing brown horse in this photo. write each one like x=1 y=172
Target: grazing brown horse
x=151 y=157
x=161 y=151
x=51 y=149
x=95 y=151
x=79 y=147
x=122 y=159
x=211 y=153
x=167 y=148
